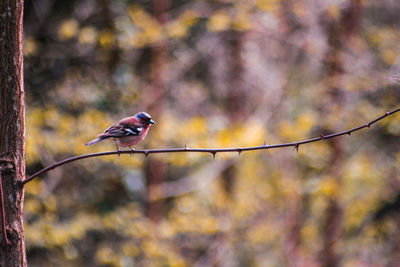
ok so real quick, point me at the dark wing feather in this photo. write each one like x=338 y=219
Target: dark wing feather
x=121 y=130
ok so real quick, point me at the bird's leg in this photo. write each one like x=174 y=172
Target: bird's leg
x=119 y=151
x=132 y=151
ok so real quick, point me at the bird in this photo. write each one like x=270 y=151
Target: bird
x=127 y=132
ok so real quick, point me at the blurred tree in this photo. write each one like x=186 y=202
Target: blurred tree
x=340 y=31
x=236 y=94
x=156 y=169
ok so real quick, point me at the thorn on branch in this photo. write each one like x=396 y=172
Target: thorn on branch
x=146 y=153
x=322 y=136
x=368 y=125
x=265 y=143
x=186 y=147
x=213 y=153
x=349 y=133
x=239 y=151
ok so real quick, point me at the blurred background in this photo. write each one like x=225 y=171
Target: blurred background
x=213 y=74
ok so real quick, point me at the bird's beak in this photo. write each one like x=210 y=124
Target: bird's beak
x=152 y=122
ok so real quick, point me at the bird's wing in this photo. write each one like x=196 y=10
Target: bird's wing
x=123 y=128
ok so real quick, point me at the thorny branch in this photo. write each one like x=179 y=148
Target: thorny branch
x=212 y=151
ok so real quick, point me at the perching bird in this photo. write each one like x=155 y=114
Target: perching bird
x=128 y=131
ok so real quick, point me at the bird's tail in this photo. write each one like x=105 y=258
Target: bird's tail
x=94 y=141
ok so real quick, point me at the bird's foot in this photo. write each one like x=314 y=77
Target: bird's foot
x=132 y=151
x=119 y=151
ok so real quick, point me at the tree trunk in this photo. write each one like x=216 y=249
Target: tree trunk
x=12 y=132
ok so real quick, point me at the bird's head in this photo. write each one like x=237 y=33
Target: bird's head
x=144 y=118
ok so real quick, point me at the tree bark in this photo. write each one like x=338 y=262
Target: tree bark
x=12 y=131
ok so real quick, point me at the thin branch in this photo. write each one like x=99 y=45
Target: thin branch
x=394 y=78
x=212 y=151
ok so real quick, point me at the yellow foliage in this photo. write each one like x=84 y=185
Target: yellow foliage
x=36 y=187
x=381 y=37
x=68 y=29
x=263 y=191
x=208 y=225
x=189 y=17
x=30 y=46
x=165 y=230
x=151 y=249
x=78 y=227
x=219 y=22
x=185 y=204
x=309 y=232
x=253 y=133
x=150 y=30
x=33 y=206
x=130 y=249
x=50 y=203
x=393 y=124
x=55 y=235
x=319 y=204
x=360 y=83
x=180 y=27
x=176 y=30
x=225 y=137
x=286 y=129
x=242 y=21
x=106 y=38
x=357 y=211
x=389 y=56
x=175 y=261
x=88 y=35
x=33 y=235
x=305 y=122
x=333 y=11
x=358 y=168
x=178 y=159
x=268 y=5
x=51 y=116
x=329 y=187
x=152 y=34
x=262 y=233
x=196 y=125
x=300 y=8
x=298 y=130
x=105 y=255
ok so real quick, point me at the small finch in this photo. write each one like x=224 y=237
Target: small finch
x=128 y=131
